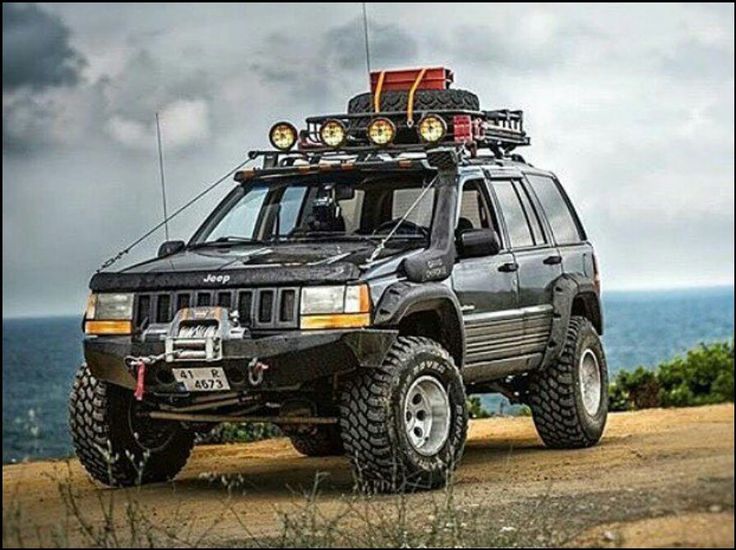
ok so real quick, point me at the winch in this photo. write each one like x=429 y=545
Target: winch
x=196 y=333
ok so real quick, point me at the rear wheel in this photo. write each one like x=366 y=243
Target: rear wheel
x=404 y=424
x=569 y=399
x=319 y=441
x=118 y=445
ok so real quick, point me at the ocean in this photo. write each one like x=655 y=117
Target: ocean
x=40 y=357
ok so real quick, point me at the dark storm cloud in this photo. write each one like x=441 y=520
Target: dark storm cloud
x=36 y=50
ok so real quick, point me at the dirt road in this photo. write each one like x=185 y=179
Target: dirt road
x=659 y=477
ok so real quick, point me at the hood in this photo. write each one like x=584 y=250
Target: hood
x=237 y=266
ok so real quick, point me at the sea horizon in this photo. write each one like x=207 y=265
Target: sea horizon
x=604 y=292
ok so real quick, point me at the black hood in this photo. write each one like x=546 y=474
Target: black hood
x=237 y=266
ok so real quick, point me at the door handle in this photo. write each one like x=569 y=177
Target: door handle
x=508 y=267
x=553 y=260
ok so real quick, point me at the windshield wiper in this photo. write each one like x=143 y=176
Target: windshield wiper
x=227 y=241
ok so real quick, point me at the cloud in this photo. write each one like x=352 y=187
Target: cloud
x=184 y=123
x=37 y=53
x=333 y=62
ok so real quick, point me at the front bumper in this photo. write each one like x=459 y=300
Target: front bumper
x=293 y=358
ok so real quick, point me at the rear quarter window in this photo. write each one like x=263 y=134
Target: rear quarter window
x=561 y=219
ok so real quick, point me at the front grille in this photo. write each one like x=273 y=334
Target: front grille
x=258 y=308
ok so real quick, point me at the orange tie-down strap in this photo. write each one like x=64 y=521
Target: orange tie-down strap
x=377 y=94
x=410 y=99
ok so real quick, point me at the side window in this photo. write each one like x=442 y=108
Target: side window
x=561 y=219
x=531 y=214
x=513 y=214
x=474 y=211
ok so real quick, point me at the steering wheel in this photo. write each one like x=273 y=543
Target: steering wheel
x=406 y=228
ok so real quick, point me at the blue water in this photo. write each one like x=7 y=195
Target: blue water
x=40 y=357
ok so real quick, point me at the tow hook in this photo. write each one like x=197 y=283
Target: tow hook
x=138 y=366
x=255 y=372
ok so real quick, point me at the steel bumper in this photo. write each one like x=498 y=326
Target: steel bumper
x=292 y=358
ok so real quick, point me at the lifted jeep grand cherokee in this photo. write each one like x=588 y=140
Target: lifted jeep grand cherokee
x=353 y=290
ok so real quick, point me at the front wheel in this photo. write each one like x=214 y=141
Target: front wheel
x=569 y=399
x=116 y=444
x=404 y=424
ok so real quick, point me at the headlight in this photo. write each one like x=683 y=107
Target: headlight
x=335 y=307
x=432 y=128
x=381 y=131
x=282 y=136
x=333 y=133
x=109 y=313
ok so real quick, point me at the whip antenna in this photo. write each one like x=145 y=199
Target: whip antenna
x=367 y=45
x=163 y=179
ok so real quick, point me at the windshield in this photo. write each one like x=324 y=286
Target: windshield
x=314 y=209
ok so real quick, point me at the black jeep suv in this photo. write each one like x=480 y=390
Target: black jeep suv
x=354 y=291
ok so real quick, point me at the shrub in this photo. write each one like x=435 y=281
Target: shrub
x=638 y=389
x=476 y=408
x=703 y=376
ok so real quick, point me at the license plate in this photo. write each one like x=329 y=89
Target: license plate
x=202 y=379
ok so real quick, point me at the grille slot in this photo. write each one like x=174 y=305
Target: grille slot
x=163 y=308
x=265 y=306
x=258 y=308
x=224 y=299
x=245 y=307
x=204 y=299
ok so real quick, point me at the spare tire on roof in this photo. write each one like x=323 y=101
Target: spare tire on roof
x=424 y=100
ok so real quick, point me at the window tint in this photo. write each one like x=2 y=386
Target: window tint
x=474 y=212
x=560 y=218
x=513 y=214
x=531 y=214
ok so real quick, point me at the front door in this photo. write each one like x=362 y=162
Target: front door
x=486 y=288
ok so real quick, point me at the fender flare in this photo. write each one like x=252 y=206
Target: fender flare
x=565 y=290
x=406 y=298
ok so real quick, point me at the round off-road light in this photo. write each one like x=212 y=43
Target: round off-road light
x=381 y=131
x=431 y=128
x=333 y=133
x=282 y=136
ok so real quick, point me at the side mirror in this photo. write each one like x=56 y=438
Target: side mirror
x=474 y=243
x=170 y=247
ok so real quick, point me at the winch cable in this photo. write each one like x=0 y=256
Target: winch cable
x=158 y=226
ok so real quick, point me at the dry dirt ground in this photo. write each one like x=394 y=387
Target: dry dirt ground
x=658 y=478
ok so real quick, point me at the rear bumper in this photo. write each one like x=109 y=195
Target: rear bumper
x=293 y=358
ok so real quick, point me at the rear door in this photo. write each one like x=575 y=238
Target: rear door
x=537 y=261
x=575 y=252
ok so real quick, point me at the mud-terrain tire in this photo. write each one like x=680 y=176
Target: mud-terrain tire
x=113 y=444
x=320 y=441
x=424 y=100
x=379 y=413
x=569 y=399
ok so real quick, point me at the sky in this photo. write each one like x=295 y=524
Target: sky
x=632 y=106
